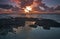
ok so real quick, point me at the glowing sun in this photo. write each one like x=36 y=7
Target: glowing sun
x=28 y=9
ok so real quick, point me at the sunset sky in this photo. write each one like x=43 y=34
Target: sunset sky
x=50 y=3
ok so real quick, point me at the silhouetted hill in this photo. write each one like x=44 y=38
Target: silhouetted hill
x=47 y=23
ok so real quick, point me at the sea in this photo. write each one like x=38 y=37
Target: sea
x=33 y=33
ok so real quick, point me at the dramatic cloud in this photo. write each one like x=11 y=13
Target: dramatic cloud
x=57 y=8
x=51 y=3
x=5 y=1
x=26 y=2
x=5 y=6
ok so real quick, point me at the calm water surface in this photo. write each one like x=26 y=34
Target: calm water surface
x=36 y=33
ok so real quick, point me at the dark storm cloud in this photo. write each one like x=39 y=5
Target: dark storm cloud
x=6 y=6
x=2 y=0
x=26 y=2
x=49 y=3
x=5 y=1
x=57 y=8
x=52 y=3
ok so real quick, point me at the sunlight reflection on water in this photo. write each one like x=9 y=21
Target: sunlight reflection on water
x=36 y=33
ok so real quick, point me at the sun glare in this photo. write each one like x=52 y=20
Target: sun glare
x=28 y=9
